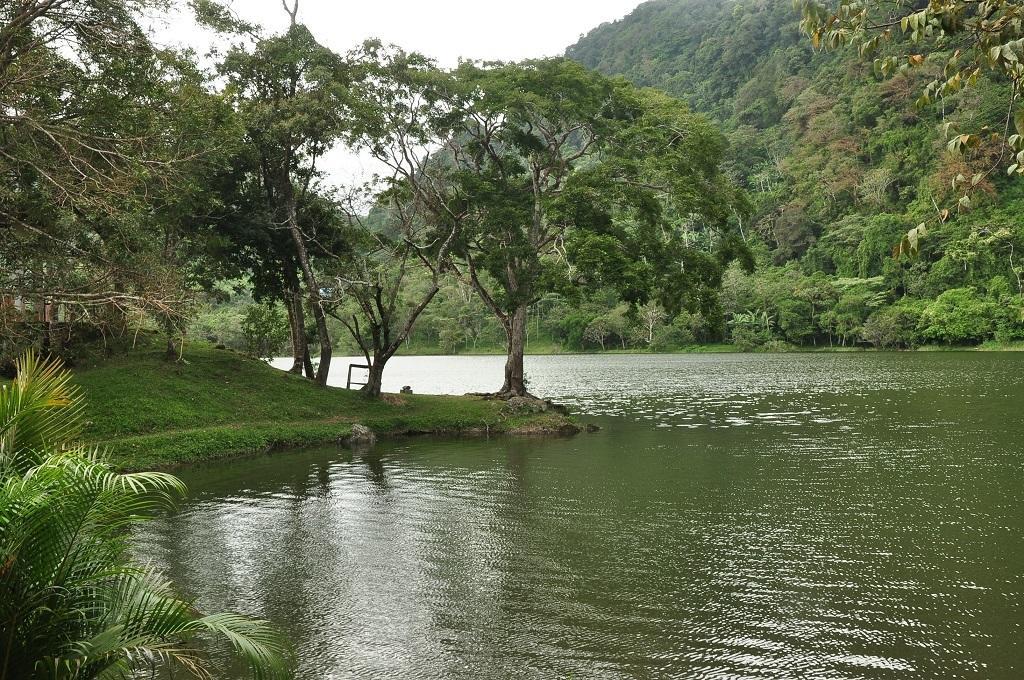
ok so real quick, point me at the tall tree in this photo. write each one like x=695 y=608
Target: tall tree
x=291 y=93
x=403 y=110
x=96 y=124
x=568 y=179
x=377 y=279
x=247 y=242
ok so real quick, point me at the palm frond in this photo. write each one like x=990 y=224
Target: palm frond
x=72 y=602
x=40 y=412
x=255 y=641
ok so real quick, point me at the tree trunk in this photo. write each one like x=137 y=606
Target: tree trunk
x=515 y=381
x=307 y=363
x=375 y=380
x=172 y=353
x=324 y=367
x=297 y=327
x=313 y=290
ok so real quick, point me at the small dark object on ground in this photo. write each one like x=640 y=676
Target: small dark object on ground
x=590 y=427
x=222 y=346
x=407 y=389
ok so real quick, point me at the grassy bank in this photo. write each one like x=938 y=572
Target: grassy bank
x=149 y=413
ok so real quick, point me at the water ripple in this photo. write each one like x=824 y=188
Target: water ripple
x=813 y=516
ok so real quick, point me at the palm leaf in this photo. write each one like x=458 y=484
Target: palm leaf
x=39 y=412
x=72 y=603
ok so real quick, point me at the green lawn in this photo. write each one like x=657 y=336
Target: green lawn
x=148 y=412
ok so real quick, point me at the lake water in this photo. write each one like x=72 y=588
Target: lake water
x=739 y=516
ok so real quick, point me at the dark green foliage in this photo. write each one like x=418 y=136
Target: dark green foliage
x=106 y=143
x=265 y=330
x=959 y=316
x=839 y=163
x=895 y=327
x=673 y=336
x=73 y=603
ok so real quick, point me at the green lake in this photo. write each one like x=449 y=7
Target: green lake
x=738 y=516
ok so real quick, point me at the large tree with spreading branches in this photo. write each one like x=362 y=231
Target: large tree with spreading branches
x=101 y=136
x=568 y=179
x=291 y=92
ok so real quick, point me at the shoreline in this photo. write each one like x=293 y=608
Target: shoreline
x=146 y=413
x=177 y=449
x=732 y=349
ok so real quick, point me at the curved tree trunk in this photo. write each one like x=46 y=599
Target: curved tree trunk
x=324 y=337
x=515 y=377
x=307 y=363
x=323 y=369
x=385 y=340
x=297 y=328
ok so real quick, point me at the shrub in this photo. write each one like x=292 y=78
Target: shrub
x=674 y=336
x=707 y=325
x=570 y=329
x=1010 y=322
x=895 y=327
x=451 y=338
x=959 y=317
x=265 y=330
x=795 y=320
x=777 y=346
x=597 y=331
x=748 y=338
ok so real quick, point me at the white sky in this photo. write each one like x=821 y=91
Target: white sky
x=446 y=30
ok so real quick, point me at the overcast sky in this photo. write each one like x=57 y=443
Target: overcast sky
x=447 y=30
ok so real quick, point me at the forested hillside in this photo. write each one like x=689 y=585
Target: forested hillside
x=838 y=164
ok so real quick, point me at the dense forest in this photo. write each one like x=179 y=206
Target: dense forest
x=839 y=162
x=836 y=162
